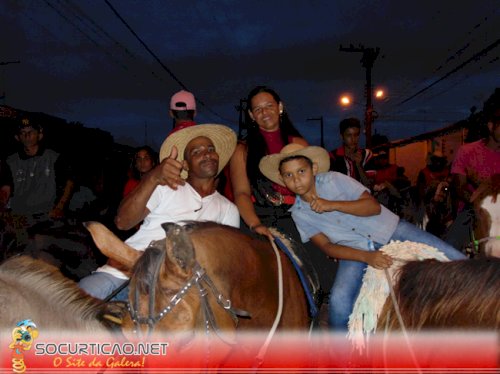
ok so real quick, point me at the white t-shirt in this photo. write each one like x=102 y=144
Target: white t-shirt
x=183 y=204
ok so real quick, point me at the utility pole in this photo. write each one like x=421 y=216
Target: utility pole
x=322 y=138
x=3 y=63
x=368 y=59
x=241 y=123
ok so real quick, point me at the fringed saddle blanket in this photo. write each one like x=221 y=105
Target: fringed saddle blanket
x=375 y=288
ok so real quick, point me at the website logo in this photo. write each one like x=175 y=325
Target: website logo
x=23 y=336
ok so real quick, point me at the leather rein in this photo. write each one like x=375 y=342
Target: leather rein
x=203 y=282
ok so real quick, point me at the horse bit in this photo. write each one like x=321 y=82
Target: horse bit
x=198 y=278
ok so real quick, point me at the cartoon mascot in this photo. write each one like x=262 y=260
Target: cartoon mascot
x=22 y=338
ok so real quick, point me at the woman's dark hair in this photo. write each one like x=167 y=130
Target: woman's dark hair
x=256 y=143
x=152 y=154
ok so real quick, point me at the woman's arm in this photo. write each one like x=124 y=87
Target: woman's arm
x=241 y=186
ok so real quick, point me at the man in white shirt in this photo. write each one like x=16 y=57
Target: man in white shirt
x=202 y=152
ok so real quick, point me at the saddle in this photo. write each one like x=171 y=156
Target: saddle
x=304 y=268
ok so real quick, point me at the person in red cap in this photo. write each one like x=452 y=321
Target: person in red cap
x=182 y=110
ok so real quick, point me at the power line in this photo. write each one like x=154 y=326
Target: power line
x=91 y=39
x=470 y=37
x=172 y=75
x=86 y=20
x=459 y=67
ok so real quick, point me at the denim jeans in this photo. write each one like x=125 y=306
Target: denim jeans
x=349 y=277
x=100 y=285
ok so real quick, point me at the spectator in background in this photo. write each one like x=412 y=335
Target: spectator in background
x=5 y=186
x=42 y=181
x=349 y=158
x=182 y=110
x=391 y=187
x=433 y=195
x=145 y=159
x=436 y=170
x=473 y=164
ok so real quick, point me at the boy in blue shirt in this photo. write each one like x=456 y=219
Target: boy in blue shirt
x=338 y=214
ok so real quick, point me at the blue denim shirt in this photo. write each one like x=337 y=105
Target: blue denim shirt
x=341 y=228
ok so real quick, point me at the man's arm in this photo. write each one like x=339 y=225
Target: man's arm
x=58 y=210
x=377 y=259
x=65 y=184
x=132 y=209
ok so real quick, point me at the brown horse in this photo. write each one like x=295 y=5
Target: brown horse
x=446 y=295
x=432 y=293
x=208 y=277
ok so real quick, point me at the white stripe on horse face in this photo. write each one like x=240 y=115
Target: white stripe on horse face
x=492 y=246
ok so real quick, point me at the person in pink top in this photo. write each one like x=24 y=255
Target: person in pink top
x=474 y=163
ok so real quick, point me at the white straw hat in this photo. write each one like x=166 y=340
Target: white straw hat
x=269 y=165
x=223 y=137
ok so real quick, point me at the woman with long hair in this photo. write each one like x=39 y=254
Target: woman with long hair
x=260 y=202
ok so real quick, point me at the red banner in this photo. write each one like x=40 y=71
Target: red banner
x=448 y=352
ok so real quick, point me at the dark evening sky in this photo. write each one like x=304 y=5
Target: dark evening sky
x=79 y=61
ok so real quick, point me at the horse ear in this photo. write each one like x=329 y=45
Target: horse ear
x=180 y=248
x=111 y=246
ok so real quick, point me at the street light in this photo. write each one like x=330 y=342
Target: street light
x=346 y=100
x=322 y=139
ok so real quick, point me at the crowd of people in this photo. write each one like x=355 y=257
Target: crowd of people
x=342 y=205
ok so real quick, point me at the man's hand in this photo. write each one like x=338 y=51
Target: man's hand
x=168 y=172
x=379 y=260
x=356 y=157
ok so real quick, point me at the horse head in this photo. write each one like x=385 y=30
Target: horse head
x=167 y=285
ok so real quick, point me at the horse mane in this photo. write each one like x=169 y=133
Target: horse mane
x=49 y=291
x=144 y=269
x=456 y=294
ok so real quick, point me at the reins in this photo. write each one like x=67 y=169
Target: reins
x=398 y=313
x=260 y=356
x=475 y=242
x=198 y=278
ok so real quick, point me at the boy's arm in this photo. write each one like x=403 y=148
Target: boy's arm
x=366 y=205
x=377 y=259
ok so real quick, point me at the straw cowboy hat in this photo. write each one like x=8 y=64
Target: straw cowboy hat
x=223 y=137
x=269 y=165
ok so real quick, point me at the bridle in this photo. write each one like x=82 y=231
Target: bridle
x=200 y=279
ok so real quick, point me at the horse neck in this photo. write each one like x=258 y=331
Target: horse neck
x=58 y=294
x=488 y=225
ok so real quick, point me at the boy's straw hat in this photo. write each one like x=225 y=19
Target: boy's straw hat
x=269 y=165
